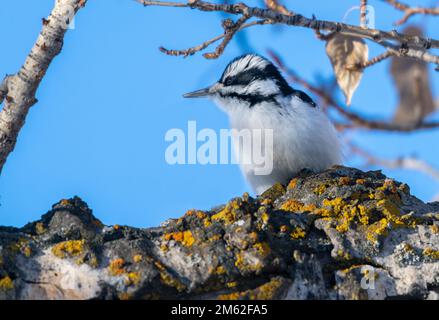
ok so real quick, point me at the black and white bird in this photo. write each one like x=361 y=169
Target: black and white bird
x=254 y=95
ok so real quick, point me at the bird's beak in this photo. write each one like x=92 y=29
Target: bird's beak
x=204 y=92
x=199 y=93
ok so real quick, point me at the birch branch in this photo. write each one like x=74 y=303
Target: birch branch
x=17 y=92
x=406 y=45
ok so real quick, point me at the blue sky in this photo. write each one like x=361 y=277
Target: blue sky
x=109 y=98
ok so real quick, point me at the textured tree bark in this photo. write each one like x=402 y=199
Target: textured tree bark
x=17 y=92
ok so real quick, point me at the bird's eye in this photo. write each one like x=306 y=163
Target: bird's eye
x=228 y=81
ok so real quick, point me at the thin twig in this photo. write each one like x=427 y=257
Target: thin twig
x=230 y=29
x=411 y=163
x=357 y=121
x=411 y=11
x=363 y=13
x=385 y=55
x=204 y=45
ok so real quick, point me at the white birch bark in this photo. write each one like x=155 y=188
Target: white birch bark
x=17 y=92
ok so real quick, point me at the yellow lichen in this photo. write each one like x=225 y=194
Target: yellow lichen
x=232 y=284
x=377 y=229
x=27 y=251
x=6 y=283
x=137 y=258
x=434 y=228
x=343 y=255
x=320 y=189
x=207 y=223
x=133 y=278
x=296 y=206
x=39 y=228
x=220 y=270
x=227 y=215
x=267 y=291
x=298 y=233
x=214 y=238
x=265 y=217
x=262 y=248
x=70 y=248
x=430 y=252
x=116 y=267
x=168 y=279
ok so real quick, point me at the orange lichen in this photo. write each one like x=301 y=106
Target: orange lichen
x=292 y=184
x=116 y=267
x=64 y=202
x=185 y=237
x=344 y=181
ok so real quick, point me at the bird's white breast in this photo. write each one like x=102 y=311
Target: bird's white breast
x=303 y=137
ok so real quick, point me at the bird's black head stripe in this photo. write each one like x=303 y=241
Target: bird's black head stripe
x=269 y=72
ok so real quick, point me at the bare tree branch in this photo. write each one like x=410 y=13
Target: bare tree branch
x=411 y=11
x=410 y=46
x=411 y=163
x=356 y=120
x=17 y=92
x=204 y=45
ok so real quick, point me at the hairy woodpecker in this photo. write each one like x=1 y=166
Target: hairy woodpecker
x=254 y=95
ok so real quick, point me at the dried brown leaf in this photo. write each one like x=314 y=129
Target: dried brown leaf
x=412 y=81
x=346 y=53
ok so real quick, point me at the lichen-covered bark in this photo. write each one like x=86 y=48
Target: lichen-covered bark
x=17 y=92
x=340 y=234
